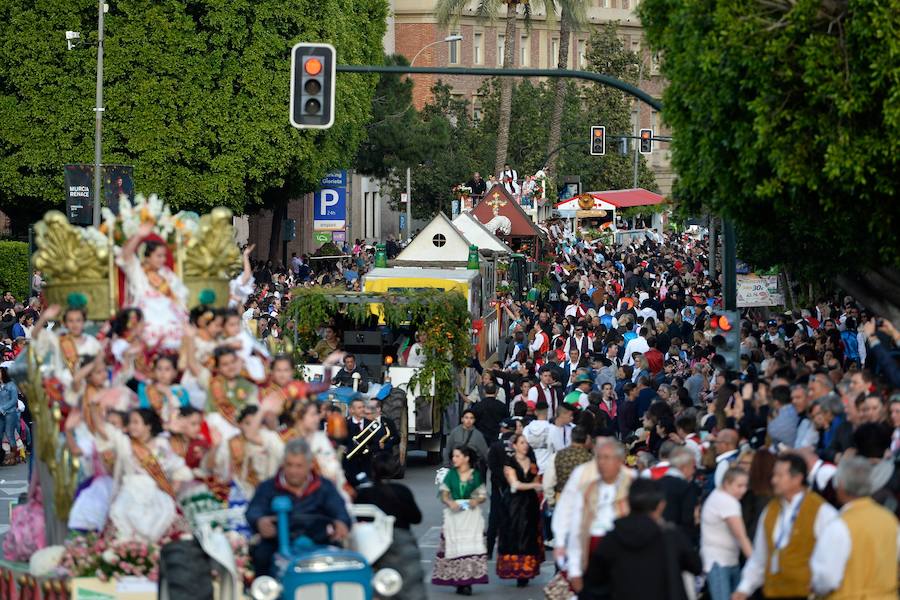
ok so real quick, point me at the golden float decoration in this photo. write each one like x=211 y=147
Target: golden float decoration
x=82 y=260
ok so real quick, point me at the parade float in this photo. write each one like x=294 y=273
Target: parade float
x=45 y=560
x=110 y=523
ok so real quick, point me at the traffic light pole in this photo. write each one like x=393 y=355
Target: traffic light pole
x=729 y=265
x=586 y=75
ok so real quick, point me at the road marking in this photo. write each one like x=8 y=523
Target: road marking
x=14 y=487
x=431 y=539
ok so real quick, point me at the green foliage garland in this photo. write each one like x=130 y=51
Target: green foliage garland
x=442 y=316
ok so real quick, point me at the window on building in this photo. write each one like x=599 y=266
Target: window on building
x=439 y=240
x=501 y=47
x=581 y=57
x=603 y=3
x=554 y=52
x=478 y=48
x=476 y=110
x=626 y=4
x=454 y=50
x=636 y=45
x=524 y=51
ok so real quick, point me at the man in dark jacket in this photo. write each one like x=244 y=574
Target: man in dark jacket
x=681 y=493
x=317 y=509
x=488 y=413
x=643 y=556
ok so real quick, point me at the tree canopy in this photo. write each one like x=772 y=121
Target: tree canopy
x=444 y=144
x=196 y=97
x=785 y=118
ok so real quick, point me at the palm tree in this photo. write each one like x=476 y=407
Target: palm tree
x=572 y=17
x=448 y=11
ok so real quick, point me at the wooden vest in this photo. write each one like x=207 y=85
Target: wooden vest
x=871 y=571
x=794 y=576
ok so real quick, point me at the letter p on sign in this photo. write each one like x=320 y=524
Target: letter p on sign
x=329 y=198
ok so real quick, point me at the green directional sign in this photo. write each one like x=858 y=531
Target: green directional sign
x=322 y=237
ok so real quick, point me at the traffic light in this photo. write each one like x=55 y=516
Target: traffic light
x=727 y=324
x=312 y=86
x=598 y=140
x=646 y=146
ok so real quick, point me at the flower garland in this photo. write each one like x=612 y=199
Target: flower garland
x=104 y=557
x=146 y=209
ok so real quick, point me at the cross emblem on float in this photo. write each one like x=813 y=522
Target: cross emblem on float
x=496 y=202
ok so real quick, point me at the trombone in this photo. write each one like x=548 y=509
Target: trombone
x=362 y=438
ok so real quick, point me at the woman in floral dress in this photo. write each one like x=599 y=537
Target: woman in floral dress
x=462 y=557
x=155 y=289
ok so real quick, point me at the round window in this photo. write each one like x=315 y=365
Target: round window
x=439 y=240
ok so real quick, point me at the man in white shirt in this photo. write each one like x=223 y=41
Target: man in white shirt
x=537 y=433
x=545 y=392
x=608 y=491
x=726 y=445
x=416 y=357
x=561 y=431
x=510 y=179
x=857 y=554
x=541 y=339
x=791 y=499
x=638 y=344
x=579 y=342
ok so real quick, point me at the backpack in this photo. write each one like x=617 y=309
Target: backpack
x=26 y=527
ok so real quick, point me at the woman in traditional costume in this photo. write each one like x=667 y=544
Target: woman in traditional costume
x=94 y=493
x=520 y=549
x=462 y=556
x=306 y=422
x=251 y=457
x=127 y=346
x=155 y=289
x=65 y=351
x=147 y=474
x=227 y=391
x=163 y=394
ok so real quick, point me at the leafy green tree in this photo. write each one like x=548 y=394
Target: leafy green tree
x=533 y=106
x=196 y=98
x=448 y=11
x=785 y=120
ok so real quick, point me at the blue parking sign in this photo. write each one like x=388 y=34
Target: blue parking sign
x=330 y=203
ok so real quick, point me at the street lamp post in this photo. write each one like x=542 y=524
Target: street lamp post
x=449 y=39
x=98 y=120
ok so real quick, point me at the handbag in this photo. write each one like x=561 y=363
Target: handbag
x=558 y=588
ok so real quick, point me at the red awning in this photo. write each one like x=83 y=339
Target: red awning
x=630 y=197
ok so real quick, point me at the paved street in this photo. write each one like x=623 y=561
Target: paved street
x=13 y=482
x=420 y=479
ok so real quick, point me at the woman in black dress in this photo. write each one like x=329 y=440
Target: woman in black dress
x=520 y=549
x=395 y=499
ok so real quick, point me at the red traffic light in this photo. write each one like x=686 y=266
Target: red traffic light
x=645 y=133
x=312 y=66
x=598 y=132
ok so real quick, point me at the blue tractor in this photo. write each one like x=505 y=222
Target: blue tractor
x=313 y=572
